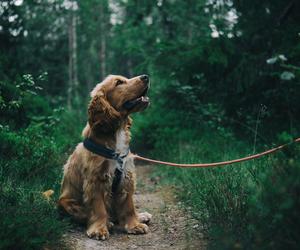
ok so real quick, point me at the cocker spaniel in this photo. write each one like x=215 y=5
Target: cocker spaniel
x=99 y=180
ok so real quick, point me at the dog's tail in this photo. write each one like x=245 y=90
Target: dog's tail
x=47 y=194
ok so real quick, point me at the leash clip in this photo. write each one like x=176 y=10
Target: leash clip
x=119 y=159
x=115 y=156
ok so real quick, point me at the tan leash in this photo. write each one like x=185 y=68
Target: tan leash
x=47 y=194
x=215 y=164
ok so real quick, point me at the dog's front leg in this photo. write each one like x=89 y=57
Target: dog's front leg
x=98 y=217
x=131 y=221
x=125 y=209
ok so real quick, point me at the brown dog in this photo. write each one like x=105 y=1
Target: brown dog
x=86 y=191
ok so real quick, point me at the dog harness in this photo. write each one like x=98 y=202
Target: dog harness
x=108 y=153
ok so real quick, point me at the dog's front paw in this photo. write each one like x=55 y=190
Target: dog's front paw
x=100 y=232
x=137 y=228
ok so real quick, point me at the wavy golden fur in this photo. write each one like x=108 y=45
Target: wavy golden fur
x=86 y=192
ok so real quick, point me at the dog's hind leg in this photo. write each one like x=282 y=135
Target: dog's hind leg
x=73 y=208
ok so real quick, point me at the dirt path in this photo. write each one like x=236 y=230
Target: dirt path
x=170 y=227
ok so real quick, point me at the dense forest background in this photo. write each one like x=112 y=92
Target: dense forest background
x=225 y=83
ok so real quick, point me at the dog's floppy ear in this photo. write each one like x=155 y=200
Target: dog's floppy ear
x=102 y=116
x=86 y=131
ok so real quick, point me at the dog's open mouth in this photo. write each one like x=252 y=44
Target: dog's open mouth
x=141 y=100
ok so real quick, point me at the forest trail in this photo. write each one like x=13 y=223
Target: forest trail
x=170 y=227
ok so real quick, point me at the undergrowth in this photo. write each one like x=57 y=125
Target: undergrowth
x=34 y=142
x=250 y=205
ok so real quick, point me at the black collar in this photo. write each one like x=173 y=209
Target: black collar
x=101 y=150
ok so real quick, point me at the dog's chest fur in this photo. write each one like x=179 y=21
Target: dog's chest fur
x=122 y=147
x=122 y=143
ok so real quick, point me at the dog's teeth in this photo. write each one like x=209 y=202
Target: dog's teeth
x=144 y=98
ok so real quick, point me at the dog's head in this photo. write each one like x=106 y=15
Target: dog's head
x=115 y=98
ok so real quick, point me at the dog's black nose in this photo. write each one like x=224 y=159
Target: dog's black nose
x=144 y=78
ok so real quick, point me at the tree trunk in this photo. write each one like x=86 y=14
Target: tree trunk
x=73 y=72
x=102 y=53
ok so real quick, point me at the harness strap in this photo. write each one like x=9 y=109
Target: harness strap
x=108 y=153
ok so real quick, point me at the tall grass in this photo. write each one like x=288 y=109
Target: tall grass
x=251 y=205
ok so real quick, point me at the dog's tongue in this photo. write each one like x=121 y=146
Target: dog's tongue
x=132 y=103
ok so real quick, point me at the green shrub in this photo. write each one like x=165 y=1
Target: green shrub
x=20 y=101
x=33 y=150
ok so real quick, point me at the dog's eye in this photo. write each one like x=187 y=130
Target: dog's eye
x=118 y=82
